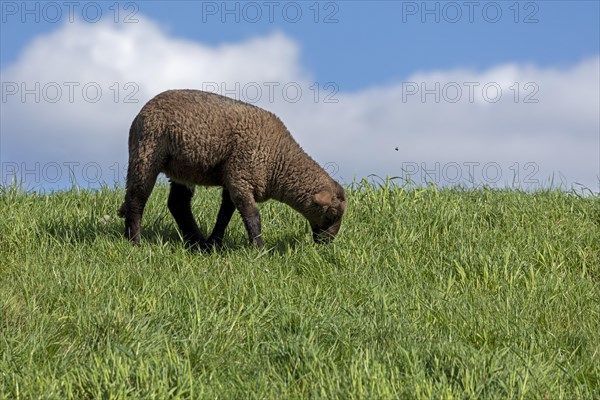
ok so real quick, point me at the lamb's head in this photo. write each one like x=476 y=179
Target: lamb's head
x=326 y=212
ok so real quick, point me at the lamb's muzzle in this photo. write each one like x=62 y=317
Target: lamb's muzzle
x=326 y=234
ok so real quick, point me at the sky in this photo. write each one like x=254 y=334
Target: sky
x=503 y=94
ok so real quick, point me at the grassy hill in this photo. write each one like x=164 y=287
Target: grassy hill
x=426 y=293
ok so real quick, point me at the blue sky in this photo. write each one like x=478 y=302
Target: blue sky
x=370 y=50
x=363 y=43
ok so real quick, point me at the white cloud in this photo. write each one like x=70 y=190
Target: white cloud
x=558 y=133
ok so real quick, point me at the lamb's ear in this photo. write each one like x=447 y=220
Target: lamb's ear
x=323 y=198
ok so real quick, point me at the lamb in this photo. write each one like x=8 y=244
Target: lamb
x=202 y=138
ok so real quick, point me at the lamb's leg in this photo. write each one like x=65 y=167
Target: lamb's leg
x=225 y=213
x=180 y=205
x=251 y=217
x=142 y=171
x=133 y=207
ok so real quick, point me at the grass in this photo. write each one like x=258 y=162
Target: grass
x=426 y=293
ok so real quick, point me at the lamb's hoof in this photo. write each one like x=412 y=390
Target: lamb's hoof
x=212 y=244
x=258 y=243
x=133 y=239
x=194 y=245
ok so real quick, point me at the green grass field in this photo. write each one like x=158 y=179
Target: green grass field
x=426 y=293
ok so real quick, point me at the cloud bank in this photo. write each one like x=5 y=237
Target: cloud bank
x=68 y=101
